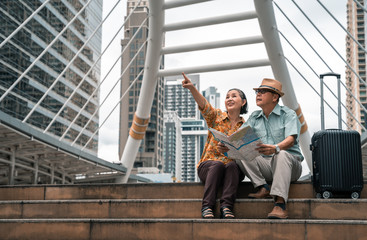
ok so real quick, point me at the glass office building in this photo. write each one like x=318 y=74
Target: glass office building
x=172 y=138
x=193 y=131
x=34 y=63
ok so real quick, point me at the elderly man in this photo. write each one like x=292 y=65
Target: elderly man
x=280 y=160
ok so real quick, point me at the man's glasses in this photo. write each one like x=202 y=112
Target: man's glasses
x=262 y=91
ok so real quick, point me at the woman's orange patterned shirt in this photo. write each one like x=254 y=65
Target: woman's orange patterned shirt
x=217 y=119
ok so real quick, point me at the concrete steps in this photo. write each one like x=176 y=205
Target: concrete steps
x=333 y=209
x=170 y=211
x=133 y=191
x=171 y=229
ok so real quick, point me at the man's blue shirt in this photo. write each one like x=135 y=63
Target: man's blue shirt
x=281 y=123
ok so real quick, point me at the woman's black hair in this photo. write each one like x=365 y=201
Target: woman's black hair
x=244 y=108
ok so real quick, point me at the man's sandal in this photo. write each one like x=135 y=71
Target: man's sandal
x=226 y=213
x=207 y=213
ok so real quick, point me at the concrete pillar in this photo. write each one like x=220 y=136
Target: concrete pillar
x=35 y=176
x=12 y=167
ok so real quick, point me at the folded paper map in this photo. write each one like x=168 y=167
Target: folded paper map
x=241 y=144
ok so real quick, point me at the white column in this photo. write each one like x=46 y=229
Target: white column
x=52 y=174
x=12 y=167
x=268 y=26
x=35 y=180
x=152 y=60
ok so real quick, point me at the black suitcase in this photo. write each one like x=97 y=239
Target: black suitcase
x=336 y=160
x=337 y=163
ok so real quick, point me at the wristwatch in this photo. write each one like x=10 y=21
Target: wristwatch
x=277 y=149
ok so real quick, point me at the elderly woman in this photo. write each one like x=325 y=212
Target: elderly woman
x=215 y=169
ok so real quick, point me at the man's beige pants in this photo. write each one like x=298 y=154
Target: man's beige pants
x=281 y=169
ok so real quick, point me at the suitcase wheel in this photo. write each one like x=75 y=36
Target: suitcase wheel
x=355 y=195
x=326 y=194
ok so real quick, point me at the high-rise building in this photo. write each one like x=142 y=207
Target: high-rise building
x=356 y=57
x=194 y=134
x=172 y=137
x=150 y=153
x=179 y=99
x=45 y=81
x=193 y=130
x=213 y=96
x=193 y=127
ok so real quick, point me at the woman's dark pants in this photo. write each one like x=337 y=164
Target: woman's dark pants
x=215 y=174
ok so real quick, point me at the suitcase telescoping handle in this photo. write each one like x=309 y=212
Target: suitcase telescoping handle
x=322 y=99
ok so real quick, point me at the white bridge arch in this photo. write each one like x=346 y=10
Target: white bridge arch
x=264 y=13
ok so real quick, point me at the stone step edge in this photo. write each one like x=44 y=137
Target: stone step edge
x=185 y=220
x=298 y=200
x=182 y=184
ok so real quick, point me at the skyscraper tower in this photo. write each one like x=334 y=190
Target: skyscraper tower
x=48 y=82
x=172 y=154
x=151 y=149
x=212 y=96
x=180 y=100
x=356 y=57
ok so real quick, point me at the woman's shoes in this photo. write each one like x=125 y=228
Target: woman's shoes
x=226 y=213
x=207 y=213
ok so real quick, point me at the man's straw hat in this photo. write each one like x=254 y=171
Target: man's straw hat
x=272 y=85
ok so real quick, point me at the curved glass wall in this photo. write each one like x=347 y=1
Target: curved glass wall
x=29 y=43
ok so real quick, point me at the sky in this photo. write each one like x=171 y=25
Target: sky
x=245 y=79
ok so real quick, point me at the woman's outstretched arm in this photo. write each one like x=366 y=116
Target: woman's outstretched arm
x=199 y=98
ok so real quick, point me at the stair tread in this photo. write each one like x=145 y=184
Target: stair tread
x=170 y=211
x=187 y=220
x=90 y=228
x=296 y=200
x=302 y=189
x=178 y=208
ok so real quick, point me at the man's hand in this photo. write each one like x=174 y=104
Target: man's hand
x=266 y=149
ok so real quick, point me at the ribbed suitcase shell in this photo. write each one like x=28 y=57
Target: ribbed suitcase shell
x=337 y=161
